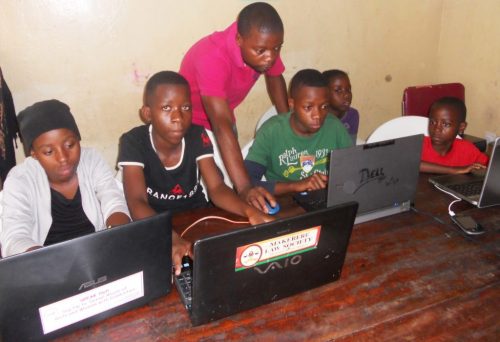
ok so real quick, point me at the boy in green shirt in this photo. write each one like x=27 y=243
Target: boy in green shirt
x=292 y=150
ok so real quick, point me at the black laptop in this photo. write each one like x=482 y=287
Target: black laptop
x=382 y=177
x=481 y=189
x=246 y=268
x=57 y=289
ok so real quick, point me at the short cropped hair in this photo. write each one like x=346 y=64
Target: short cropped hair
x=306 y=78
x=261 y=16
x=334 y=73
x=453 y=102
x=163 y=77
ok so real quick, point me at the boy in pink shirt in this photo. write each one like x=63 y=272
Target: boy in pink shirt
x=221 y=70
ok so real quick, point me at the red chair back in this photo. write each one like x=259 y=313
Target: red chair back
x=418 y=100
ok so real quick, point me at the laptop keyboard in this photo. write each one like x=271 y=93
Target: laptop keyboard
x=311 y=201
x=184 y=284
x=468 y=189
x=317 y=204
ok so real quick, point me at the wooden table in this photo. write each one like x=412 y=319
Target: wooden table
x=411 y=276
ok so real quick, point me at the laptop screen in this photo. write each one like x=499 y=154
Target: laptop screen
x=62 y=287
x=377 y=175
x=252 y=266
x=490 y=195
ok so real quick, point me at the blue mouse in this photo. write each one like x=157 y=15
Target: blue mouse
x=271 y=210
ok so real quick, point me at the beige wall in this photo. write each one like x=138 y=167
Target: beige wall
x=469 y=51
x=96 y=55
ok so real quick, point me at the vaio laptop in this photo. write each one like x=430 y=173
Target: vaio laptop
x=249 y=267
x=382 y=177
x=481 y=189
x=59 y=288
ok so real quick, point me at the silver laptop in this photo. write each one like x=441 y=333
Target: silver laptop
x=481 y=189
x=382 y=177
x=59 y=288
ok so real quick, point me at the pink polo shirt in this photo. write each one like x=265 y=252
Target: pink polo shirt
x=214 y=67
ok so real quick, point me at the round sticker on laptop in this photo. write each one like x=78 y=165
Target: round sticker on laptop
x=251 y=255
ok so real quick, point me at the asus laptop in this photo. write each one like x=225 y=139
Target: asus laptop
x=246 y=268
x=59 y=288
x=481 y=189
x=382 y=177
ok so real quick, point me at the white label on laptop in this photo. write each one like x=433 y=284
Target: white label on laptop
x=90 y=303
x=280 y=247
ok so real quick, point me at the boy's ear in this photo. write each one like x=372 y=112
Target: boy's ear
x=145 y=114
x=239 y=39
x=32 y=154
x=462 y=127
x=290 y=103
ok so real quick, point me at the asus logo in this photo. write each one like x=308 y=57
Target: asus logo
x=92 y=283
x=295 y=260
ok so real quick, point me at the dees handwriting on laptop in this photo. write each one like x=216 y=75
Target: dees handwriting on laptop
x=382 y=177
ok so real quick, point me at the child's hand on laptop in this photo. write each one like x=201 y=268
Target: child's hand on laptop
x=180 y=248
x=257 y=197
x=471 y=167
x=315 y=182
x=33 y=248
x=257 y=217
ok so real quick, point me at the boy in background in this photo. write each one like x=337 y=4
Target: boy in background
x=442 y=151
x=292 y=150
x=221 y=69
x=340 y=101
x=163 y=161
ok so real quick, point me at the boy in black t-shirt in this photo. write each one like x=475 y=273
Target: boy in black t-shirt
x=162 y=161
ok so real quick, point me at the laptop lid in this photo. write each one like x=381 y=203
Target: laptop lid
x=490 y=190
x=59 y=288
x=382 y=177
x=246 y=268
x=490 y=194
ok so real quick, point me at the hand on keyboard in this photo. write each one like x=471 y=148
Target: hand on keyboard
x=184 y=281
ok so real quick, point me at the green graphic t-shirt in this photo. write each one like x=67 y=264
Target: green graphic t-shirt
x=290 y=157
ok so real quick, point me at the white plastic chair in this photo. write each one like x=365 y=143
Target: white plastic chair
x=399 y=127
x=270 y=112
x=246 y=148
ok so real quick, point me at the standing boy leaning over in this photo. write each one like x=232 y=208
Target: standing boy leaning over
x=442 y=151
x=162 y=161
x=221 y=69
x=293 y=150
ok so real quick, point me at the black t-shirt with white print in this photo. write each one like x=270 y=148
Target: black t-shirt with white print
x=175 y=188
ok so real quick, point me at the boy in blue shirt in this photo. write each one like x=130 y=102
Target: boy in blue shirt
x=292 y=150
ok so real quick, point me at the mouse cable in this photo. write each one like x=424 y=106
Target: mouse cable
x=208 y=218
x=450 y=212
